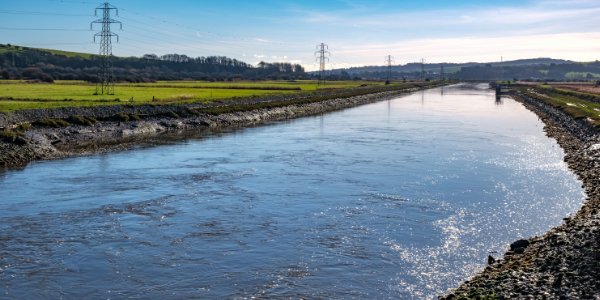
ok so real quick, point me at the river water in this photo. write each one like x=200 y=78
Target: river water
x=399 y=198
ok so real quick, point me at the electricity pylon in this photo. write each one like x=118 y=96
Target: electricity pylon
x=106 y=79
x=422 y=69
x=442 y=74
x=321 y=50
x=389 y=60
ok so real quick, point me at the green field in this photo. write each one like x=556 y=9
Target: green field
x=13 y=48
x=576 y=107
x=17 y=95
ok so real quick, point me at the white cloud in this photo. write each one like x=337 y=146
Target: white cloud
x=573 y=46
x=259 y=56
x=261 y=40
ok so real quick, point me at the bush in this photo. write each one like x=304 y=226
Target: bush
x=23 y=127
x=92 y=120
x=134 y=118
x=62 y=123
x=51 y=123
x=172 y=114
x=120 y=117
x=13 y=137
x=193 y=112
x=80 y=120
x=8 y=134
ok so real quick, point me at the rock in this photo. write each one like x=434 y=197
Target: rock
x=519 y=250
x=519 y=244
x=20 y=140
x=208 y=123
x=491 y=260
x=558 y=281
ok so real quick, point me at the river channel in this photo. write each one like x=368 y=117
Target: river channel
x=402 y=198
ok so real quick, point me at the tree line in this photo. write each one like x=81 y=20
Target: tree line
x=30 y=63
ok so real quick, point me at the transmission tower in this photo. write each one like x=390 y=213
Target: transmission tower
x=389 y=60
x=106 y=79
x=422 y=69
x=442 y=73
x=321 y=51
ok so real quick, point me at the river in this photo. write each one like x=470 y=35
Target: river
x=400 y=198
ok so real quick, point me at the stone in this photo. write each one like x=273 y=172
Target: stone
x=519 y=244
x=208 y=123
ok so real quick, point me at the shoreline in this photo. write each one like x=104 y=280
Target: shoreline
x=51 y=143
x=563 y=263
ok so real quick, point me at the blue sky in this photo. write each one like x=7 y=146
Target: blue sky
x=357 y=32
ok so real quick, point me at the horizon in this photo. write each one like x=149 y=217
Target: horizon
x=359 y=33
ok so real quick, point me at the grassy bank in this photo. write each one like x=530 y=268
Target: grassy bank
x=578 y=105
x=19 y=95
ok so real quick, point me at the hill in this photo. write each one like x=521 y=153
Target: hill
x=20 y=49
x=17 y=62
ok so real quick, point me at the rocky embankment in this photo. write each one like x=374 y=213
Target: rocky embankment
x=45 y=142
x=564 y=263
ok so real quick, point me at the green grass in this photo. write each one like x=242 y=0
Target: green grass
x=13 y=48
x=576 y=107
x=574 y=75
x=15 y=95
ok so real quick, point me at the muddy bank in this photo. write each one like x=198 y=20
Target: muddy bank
x=564 y=262
x=46 y=143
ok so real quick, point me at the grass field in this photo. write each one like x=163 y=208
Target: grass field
x=16 y=95
x=5 y=48
x=576 y=107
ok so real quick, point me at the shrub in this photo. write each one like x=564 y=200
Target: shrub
x=172 y=114
x=80 y=120
x=13 y=137
x=120 y=117
x=92 y=120
x=51 y=123
x=23 y=127
x=8 y=134
x=192 y=112
x=134 y=118
x=62 y=123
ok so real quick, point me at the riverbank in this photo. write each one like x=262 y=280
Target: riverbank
x=564 y=262
x=124 y=123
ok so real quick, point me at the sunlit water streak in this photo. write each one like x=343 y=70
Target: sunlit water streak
x=401 y=198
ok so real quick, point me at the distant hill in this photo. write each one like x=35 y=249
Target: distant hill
x=18 y=62
x=451 y=67
x=20 y=49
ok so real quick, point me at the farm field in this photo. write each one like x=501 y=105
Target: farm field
x=576 y=107
x=20 y=95
x=581 y=87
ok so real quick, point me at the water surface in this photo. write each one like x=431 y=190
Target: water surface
x=400 y=198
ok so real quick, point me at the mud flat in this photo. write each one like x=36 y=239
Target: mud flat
x=48 y=143
x=564 y=263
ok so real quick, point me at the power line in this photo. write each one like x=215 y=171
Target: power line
x=184 y=26
x=43 y=29
x=22 y=12
x=106 y=82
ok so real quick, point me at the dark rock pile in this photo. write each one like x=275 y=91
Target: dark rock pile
x=565 y=262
